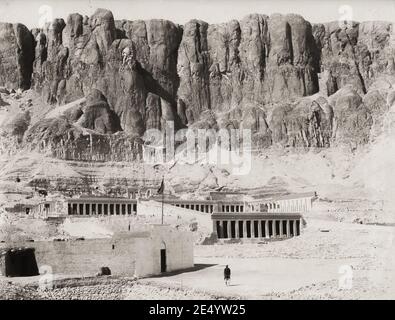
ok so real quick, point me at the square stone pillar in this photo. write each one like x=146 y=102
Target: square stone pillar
x=215 y=231
x=274 y=228
x=84 y=209
x=244 y=228
x=288 y=229
x=259 y=229
x=267 y=229
x=295 y=229
x=221 y=229
x=229 y=229
x=281 y=228
x=237 y=233
x=252 y=229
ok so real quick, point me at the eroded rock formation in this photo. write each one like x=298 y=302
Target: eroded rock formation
x=290 y=82
x=16 y=55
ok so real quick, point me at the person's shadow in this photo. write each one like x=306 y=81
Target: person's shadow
x=233 y=285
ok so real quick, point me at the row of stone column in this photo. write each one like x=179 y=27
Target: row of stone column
x=236 y=229
x=101 y=208
x=233 y=208
x=291 y=205
x=294 y=205
x=207 y=208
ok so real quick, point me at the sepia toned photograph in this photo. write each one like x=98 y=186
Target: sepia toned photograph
x=217 y=150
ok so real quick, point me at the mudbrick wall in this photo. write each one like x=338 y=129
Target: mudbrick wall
x=126 y=254
x=85 y=257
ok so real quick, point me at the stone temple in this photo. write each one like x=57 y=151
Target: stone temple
x=234 y=215
x=279 y=217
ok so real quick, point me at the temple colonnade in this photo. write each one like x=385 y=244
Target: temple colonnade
x=257 y=228
x=101 y=206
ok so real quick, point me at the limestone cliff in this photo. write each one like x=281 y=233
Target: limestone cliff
x=290 y=82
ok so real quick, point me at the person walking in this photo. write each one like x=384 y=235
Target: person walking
x=227 y=275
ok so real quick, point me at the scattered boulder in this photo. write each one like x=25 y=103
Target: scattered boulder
x=104 y=271
x=193 y=226
x=3 y=103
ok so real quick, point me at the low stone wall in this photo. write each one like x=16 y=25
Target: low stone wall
x=126 y=254
x=85 y=257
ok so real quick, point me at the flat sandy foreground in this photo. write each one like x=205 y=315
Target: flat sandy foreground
x=331 y=260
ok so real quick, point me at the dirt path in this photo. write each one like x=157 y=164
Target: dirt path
x=256 y=278
x=347 y=260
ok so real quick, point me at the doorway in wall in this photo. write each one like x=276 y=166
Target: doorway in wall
x=163 y=266
x=162 y=260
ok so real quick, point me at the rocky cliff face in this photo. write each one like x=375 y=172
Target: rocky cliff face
x=290 y=82
x=16 y=55
x=258 y=60
x=356 y=55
